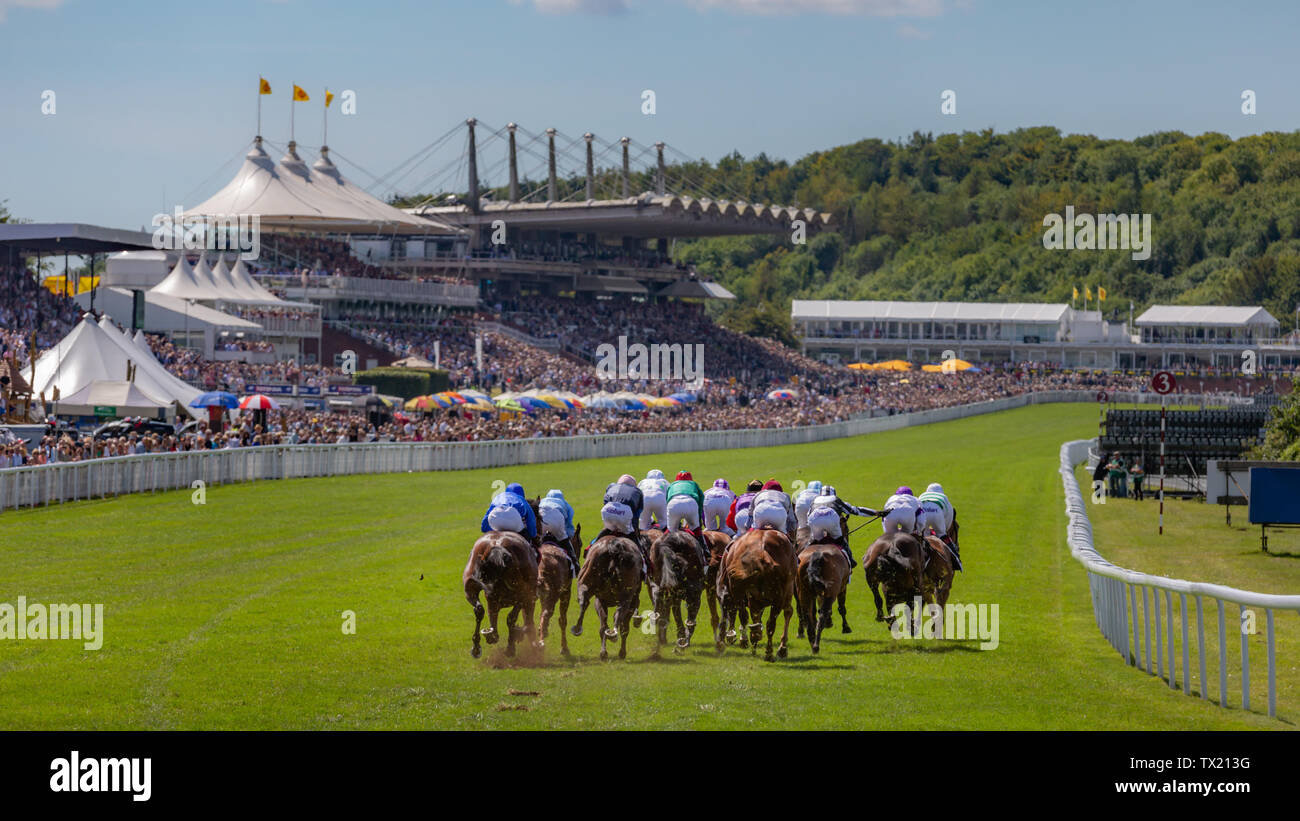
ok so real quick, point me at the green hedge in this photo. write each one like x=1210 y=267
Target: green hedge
x=407 y=383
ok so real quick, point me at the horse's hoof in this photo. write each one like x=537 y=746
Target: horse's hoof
x=683 y=643
x=622 y=654
x=720 y=647
x=510 y=652
x=475 y=652
x=611 y=634
x=636 y=621
x=539 y=644
x=576 y=629
x=846 y=629
x=783 y=652
x=604 y=655
x=768 y=657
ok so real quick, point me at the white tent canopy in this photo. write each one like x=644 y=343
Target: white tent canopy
x=289 y=194
x=125 y=399
x=89 y=353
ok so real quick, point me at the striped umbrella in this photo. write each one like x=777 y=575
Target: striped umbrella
x=258 y=401
x=781 y=393
x=453 y=398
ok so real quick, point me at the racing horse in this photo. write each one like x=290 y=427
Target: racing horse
x=894 y=563
x=554 y=587
x=676 y=576
x=937 y=579
x=757 y=573
x=611 y=577
x=717 y=542
x=823 y=577
x=803 y=541
x=503 y=567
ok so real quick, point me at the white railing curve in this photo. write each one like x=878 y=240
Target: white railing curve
x=1115 y=603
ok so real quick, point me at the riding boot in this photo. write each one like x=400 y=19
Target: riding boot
x=704 y=548
x=844 y=543
x=952 y=548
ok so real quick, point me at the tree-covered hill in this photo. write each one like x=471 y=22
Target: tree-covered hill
x=960 y=217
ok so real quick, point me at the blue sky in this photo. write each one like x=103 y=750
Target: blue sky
x=155 y=102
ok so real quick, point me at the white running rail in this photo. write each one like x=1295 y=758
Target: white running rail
x=1116 y=594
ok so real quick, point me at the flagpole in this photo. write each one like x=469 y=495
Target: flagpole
x=325 y=120
x=259 y=105
x=292 y=94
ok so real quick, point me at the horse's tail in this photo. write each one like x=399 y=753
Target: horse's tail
x=496 y=565
x=813 y=573
x=673 y=569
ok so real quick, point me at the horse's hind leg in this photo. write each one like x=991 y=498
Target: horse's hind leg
x=512 y=630
x=772 y=615
x=623 y=622
x=844 y=613
x=784 y=650
x=544 y=620
x=530 y=626
x=476 y=650
x=605 y=633
x=491 y=634
x=564 y=619
x=583 y=600
x=875 y=593
x=824 y=618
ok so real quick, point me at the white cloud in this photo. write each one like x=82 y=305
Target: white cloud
x=909 y=32
x=867 y=8
x=582 y=6
x=5 y=5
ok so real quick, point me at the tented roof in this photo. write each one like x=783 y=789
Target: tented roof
x=289 y=194
x=834 y=309
x=126 y=398
x=90 y=353
x=1218 y=316
x=167 y=314
x=182 y=283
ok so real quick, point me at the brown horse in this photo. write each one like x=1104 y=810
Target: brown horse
x=611 y=576
x=717 y=542
x=894 y=563
x=504 y=568
x=823 y=578
x=938 y=562
x=554 y=586
x=803 y=541
x=757 y=572
x=676 y=576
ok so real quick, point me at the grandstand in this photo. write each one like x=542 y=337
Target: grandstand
x=1191 y=437
x=1180 y=337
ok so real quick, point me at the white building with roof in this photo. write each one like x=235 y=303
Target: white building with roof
x=1164 y=336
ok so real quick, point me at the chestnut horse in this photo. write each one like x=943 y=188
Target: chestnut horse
x=676 y=576
x=611 y=576
x=823 y=578
x=717 y=542
x=803 y=539
x=757 y=572
x=938 y=562
x=504 y=568
x=554 y=586
x=894 y=563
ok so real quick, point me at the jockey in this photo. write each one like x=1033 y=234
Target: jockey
x=717 y=504
x=902 y=512
x=622 y=511
x=937 y=516
x=804 y=501
x=557 y=522
x=509 y=512
x=772 y=508
x=738 y=518
x=824 y=520
x=654 y=490
x=686 y=503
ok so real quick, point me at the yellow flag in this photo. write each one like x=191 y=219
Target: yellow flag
x=263 y=87
x=1076 y=292
x=300 y=96
x=329 y=98
x=1101 y=293
x=1087 y=292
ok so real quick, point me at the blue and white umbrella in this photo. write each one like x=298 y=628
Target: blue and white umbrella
x=215 y=399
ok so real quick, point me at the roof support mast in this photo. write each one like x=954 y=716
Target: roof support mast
x=659 y=181
x=514 y=165
x=626 y=169
x=473 y=168
x=550 y=165
x=591 y=172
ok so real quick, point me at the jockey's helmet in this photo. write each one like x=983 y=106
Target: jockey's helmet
x=772 y=484
x=934 y=487
x=684 y=476
x=555 y=494
x=815 y=485
x=654 y=474
x=903 y=490
x=754 y=486
x=625 y=479
x=515 y=487
x=722 y=483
